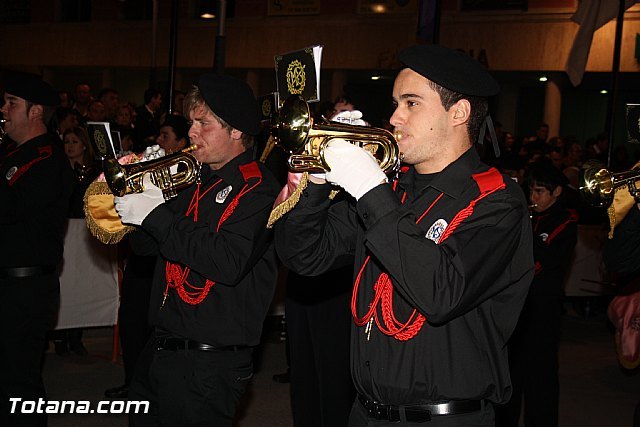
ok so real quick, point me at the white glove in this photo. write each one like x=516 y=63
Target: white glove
x=349 y=117
x=134 y=208
x=153 y=152
x=352 y=168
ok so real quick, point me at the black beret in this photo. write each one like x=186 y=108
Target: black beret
x=232 y=100
x=31 y=88
x=451 y=69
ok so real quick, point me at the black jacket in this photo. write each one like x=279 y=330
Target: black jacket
x=470 y=287
x=36 y=182
x=235 y=253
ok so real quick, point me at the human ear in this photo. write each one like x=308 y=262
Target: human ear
x=557 y=191
x=461 y=112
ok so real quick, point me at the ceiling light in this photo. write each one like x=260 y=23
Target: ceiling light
x=604 y=91
x=208 y=16
x=543 y=78
x=375 y=77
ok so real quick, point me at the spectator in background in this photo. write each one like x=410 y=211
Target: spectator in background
x=124 y=125
x=173 y=134
x=178 y=103
x=65 y=119
x=82 y=99
x=147 y=121
x=110 y=99
x=96 y=111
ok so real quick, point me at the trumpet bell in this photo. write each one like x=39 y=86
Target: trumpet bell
x=598 y=185
x=305 y=141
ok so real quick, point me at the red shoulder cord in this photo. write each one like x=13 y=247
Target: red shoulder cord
x=488 y=182
x=43 y=152
x=176 y=276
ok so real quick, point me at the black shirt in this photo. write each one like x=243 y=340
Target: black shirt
x=555 y=233
x=35 y=186
x=236 y=253
x=470 y=287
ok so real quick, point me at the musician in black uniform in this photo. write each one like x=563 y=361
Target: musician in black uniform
x=216 y=271
x=443 y=253
x=533 y=348
x=35 y=186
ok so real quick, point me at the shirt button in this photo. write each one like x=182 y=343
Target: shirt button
x=367 y=363
x=365 y=215
x=305 y=193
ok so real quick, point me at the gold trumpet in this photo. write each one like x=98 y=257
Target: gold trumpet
x=598 y=185
x=170 y=173
x=305 y=141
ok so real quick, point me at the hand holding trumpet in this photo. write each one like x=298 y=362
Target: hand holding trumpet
x=352 y=168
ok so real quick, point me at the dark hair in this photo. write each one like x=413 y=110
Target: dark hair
x=151 y=93
x=194 y=99
x=479 y=108
x=104 y=92
x=179 y=125
x=543 y=173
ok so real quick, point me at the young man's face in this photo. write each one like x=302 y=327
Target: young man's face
x=420 y=117
x=167 y=139
x=215 y=143
x=542 y=198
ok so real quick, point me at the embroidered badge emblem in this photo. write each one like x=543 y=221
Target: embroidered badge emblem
x=436 y=230
x=544 y=236
x=222 y=194
x=12 y=171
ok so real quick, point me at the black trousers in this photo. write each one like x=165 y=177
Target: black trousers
x=482 y=418
x=28 y=307
x=533 y=364
x=190 y=387
x=134 y=310
x=318 y=330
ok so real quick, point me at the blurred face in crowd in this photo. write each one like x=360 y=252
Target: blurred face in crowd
x=123 y=116
x=110 y=101
x=167 y=139
x=96 y=112
x=83 y=94
x=156 y=102
x=67 y=123
x=73 y=147
x=216 y=144
x=542 y=197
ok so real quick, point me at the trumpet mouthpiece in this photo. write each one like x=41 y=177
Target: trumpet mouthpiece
x=397 y=134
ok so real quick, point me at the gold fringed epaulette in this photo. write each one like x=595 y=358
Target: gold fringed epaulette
x=280 y=210
x=100 y=214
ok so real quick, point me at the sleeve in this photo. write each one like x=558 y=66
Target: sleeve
x=225 y=255
x=621 y=254
x=142 y=243
x=41 y=186
x=446 y=280
x=317 y=235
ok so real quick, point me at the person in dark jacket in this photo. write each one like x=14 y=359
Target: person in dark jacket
x=216 y=270
x=35 y=188
x=443 y=252
x=533 y=348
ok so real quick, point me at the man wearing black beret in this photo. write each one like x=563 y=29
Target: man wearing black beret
x=35 y=187
x=443 y=252
x=216 y=269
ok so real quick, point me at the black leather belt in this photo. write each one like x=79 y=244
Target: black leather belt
x=175 y=344
x=16 y=272
x=419 y=413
